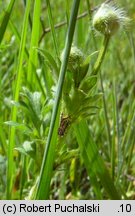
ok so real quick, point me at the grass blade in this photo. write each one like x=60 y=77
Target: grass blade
x=34 y=41
x=10 y=168
x=46 y=170
x=18 y=36
x=89 y=150
x=6 y=19
x=52 y=28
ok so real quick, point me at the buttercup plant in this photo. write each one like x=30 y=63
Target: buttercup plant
x=78 y=100
x=107 y=20
x=76 y=65
x=77 y=86
x=62 y=136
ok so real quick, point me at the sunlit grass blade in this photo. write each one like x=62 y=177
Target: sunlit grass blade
x=32 y=65
x=6 y=19
x=18 y=36
x=32 y=76
x=47 y=164
x=89 y=149
x=52 y=27
x=3 y=141
x=10 y=167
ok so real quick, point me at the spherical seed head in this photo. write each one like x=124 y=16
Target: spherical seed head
x=108 y=19
x=75 y=65
x=76 y=58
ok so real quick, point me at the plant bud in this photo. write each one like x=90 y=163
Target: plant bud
x=76 y=58
x=108 y=19
x=75 y=65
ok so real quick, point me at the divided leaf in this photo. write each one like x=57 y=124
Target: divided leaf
x=88 y=83
x=28 y=148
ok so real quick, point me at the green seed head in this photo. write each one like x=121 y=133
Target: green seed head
x=75 y=65
x=108 y=19
x=76 y=58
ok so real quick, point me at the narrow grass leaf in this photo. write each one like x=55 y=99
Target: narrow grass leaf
x=32 y=65
x=18 y=36
x=52 y=27
x=10 y=167
x=51 y=60
x=6 y=19
x=47 y=164
x=89 y=150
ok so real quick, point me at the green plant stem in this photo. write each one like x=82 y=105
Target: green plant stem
x=106 y=115
x=33 y=61
x=10 y=165
x=67 y=12
x=100 y=59
x=96 y=69
x=119 y=146
x=18 y=36
x=6 y=19
x=52 y=28
x=48 y=160
x=101 y=55
x=23 y=175
x=114 y=134
x=3 y=141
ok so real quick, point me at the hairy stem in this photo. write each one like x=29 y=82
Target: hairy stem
x=101 y=55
